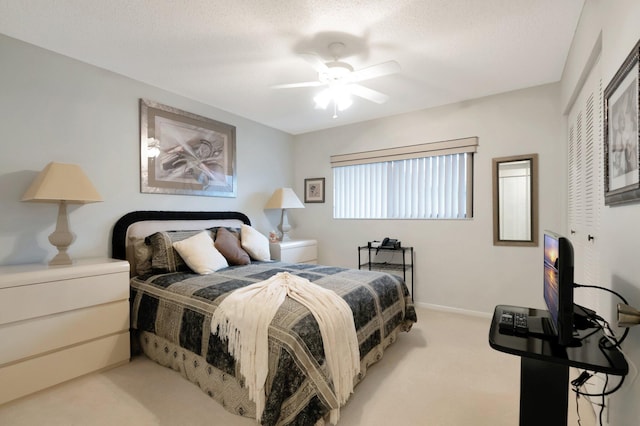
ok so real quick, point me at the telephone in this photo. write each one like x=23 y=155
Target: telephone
x=390 y=243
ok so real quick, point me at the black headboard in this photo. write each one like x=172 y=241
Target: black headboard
x=118 y=239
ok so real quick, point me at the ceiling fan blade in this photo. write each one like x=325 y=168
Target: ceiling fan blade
x=368 y=94
x=294 y=85
x=315 y=61
x=374 y=71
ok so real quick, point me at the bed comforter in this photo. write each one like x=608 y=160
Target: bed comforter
x=171 y=314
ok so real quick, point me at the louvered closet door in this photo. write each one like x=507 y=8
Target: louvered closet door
x=585 y=192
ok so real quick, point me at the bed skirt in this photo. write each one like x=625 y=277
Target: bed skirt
x=219 y=385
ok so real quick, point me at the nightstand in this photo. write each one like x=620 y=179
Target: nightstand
x=295 y=251
x=61 y=322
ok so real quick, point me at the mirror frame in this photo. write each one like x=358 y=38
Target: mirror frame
x=533 y=242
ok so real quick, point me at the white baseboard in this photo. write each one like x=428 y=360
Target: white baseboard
x=453 y=310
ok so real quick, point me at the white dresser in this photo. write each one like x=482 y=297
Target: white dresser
x=61 y=322
x=295 y=251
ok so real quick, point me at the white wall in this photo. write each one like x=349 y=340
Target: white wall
x=457 y=265
x=619 y=243
x=53 y=108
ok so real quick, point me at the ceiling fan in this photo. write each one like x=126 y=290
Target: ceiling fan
x=342 y=80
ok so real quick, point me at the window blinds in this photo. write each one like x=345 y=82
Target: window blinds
x=406 y=183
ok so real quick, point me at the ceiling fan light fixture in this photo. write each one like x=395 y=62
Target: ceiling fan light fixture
x=338 y=94
x=342 y=81
x=322 y=99
x=336 y=71
x=343 y=102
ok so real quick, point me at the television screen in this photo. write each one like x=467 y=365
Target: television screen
x=558 y=285
x=551 y=278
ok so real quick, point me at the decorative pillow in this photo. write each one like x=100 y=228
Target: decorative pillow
x=200 y=254
x=165 y=258
x=228 y=244
x=256 y=244
x=142 y=256
x=214 y=231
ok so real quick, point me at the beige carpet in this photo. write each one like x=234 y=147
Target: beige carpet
x=441 y=373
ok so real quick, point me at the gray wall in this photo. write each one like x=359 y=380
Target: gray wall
x=53 y=108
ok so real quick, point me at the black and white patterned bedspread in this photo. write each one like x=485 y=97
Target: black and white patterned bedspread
x=175 y=309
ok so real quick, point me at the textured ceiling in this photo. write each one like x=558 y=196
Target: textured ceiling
x=228 y=53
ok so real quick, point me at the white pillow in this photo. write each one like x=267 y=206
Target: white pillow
x=256 y=244
x=199 y=253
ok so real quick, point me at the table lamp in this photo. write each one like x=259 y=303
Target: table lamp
x=62 y=183
x=284 y=198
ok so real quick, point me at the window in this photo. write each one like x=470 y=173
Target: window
x=428 y=181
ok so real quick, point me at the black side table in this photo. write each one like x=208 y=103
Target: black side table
x=544 y=367
x=406 y=265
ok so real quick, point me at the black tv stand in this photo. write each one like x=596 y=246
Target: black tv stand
x=541 y=328
x=544 y=366
x=583 y=318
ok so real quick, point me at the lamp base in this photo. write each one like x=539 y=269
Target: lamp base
x=285 y=237
x=284 y=226
x=62 y=237
x=62 y=258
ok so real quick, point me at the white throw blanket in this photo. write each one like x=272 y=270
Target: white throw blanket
x=244 y=316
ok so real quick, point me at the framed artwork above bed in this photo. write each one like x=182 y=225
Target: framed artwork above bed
x=184 y=153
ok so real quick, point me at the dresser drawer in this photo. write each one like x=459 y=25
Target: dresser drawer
x=301 y=254
x=44 y=334
x=30 y=301
x=44 y=371
x=61 y=322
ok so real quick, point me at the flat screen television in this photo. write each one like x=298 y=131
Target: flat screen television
x=558 y=285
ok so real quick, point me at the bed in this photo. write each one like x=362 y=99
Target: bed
x=171 y=313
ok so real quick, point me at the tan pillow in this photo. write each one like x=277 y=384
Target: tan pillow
x=228 y=244
x=142 y=254
x=199 y=253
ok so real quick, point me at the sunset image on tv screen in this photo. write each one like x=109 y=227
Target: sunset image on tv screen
x=551 y=275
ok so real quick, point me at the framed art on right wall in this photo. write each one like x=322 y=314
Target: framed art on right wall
x=621 y=137
x=314 y=190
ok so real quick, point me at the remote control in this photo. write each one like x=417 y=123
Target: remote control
x=506 y=323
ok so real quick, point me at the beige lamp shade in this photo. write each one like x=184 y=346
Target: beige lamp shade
x=62 y=183
x=284 y=198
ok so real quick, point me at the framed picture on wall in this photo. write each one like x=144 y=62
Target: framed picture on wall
x=184 y=153
x=621 y=137
x=314 y=190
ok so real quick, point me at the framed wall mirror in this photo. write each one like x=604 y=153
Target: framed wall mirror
x=515 y=200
